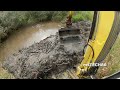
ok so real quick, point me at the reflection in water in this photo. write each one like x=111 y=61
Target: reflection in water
x=26 y=37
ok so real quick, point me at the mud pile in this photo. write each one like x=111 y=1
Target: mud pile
x=47 y=57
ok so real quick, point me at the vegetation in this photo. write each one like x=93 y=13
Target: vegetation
x=83 y=16
x=112 y=60
x=5 y=75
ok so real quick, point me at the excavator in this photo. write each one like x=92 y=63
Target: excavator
x=103 y=34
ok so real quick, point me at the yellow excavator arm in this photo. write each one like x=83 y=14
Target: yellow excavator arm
x=71 y=13
x=104 y=31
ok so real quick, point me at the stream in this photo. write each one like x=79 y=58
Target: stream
x=26 y=37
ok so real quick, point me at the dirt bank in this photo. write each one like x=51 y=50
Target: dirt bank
x=48 y=56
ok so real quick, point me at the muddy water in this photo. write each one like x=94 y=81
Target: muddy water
x=26 y=37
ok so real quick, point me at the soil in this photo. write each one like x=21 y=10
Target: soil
x=48 y=57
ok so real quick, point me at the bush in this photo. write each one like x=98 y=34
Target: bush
x=83 y=16
x=59 y=15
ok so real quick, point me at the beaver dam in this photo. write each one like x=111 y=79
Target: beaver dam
x=47 y=58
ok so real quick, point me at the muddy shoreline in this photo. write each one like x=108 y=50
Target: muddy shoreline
x=47 y=57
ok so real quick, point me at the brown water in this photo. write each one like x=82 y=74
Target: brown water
x=26 y=37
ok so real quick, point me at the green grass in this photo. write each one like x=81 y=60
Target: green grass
x=112 y=60
x=83 y=16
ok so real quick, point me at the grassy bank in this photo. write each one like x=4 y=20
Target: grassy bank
x=83 y=16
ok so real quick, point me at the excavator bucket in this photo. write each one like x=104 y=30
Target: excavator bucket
x=69 y=35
